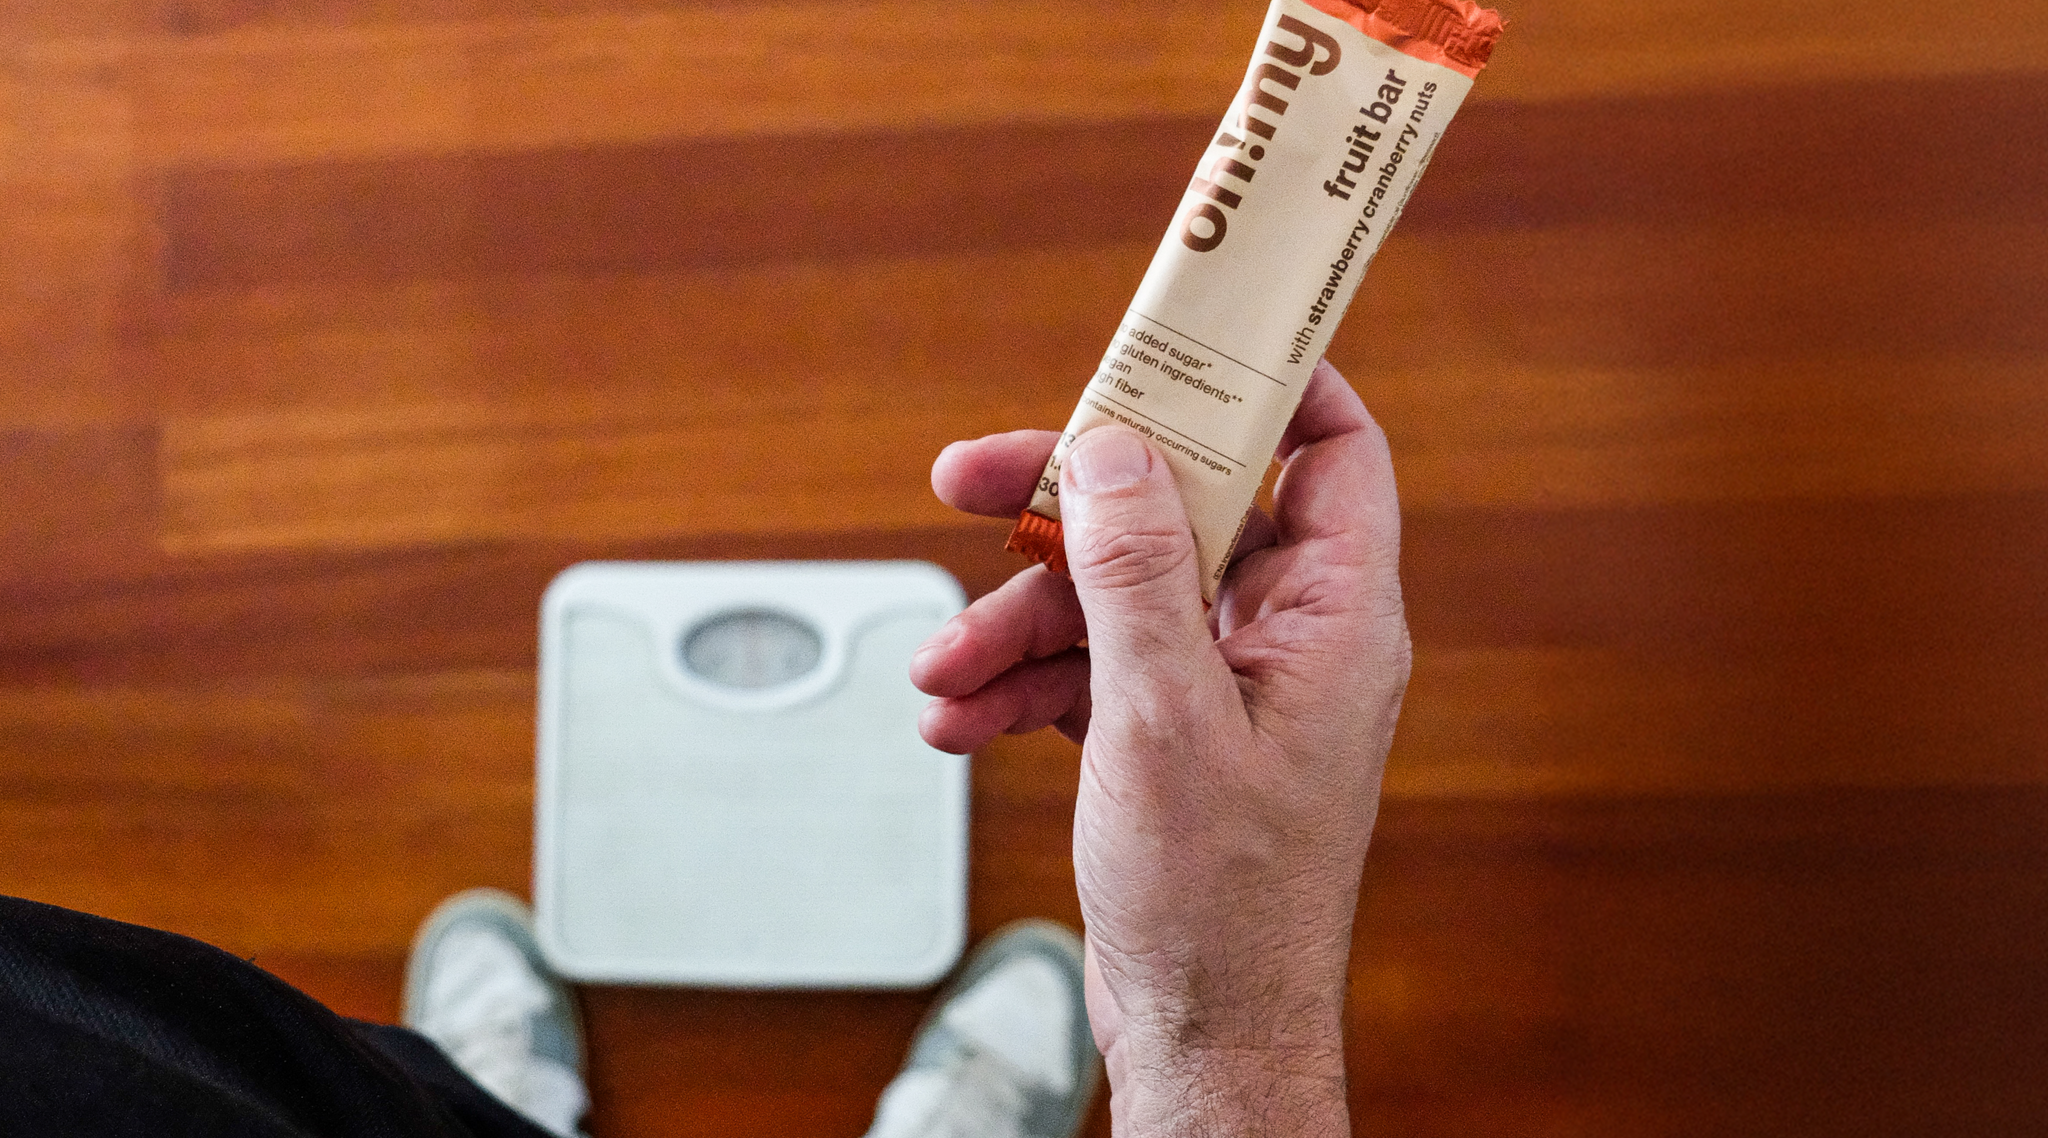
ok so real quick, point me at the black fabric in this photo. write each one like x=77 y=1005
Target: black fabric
x=115 y=1030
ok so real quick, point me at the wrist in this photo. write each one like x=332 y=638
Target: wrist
x=1250 y=1045
x=1216 y=1092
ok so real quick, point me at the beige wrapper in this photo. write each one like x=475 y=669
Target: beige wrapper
x=1338 y=115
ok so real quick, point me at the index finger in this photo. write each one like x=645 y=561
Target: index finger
x=1338 y=480
x=1329 y=407
x=993 y=476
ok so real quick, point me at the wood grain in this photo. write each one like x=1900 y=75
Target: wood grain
x=848 y=194
x=1713 y=353
x=1814 y=964
x=365 y=77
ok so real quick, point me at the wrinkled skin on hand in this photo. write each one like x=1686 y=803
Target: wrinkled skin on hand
x=1231 y=760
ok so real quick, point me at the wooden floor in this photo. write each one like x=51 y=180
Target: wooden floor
x=330 y=331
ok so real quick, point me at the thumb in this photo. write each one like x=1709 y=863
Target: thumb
x=1132 y=557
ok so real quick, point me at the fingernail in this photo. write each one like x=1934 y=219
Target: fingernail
x=1108 y=460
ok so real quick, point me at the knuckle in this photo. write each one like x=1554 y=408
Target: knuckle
x=1114 y=557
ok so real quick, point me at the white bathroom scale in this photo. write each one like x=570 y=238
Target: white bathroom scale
x=731 y=789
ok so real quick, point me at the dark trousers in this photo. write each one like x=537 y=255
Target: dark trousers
x=111 y=1029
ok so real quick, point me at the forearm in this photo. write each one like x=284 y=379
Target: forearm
x=1235 y=1029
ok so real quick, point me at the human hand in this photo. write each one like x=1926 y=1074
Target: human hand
x=1231 y=761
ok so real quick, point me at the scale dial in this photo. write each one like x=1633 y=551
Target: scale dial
x=752 y=649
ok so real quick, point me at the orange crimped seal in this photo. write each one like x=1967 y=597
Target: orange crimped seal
x=1042 y=540
x=1457 y=34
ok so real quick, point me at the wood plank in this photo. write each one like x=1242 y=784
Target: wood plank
x=759 y=69
x=1861 y=427
x=1828 y=964
x=636 y=339
x=162 y=621
x=1701 y=582
x=23 y=21
x=211 y=17
x=1520 y=722
x=365 y=986
x=664 y=1060
x=842 y=196
x=1595 y=296
x=1469 y=320
x=264 y=93
x=859 y=194
x=71 y=250
x=1576 y=48
x=76 y=496
x=1586 y=46
x=1608 y=430
x=359 y=737
x=323 y=480
x=1636 y=412
x=1739 y=294
x=263 y=874
x=268 y=817
x=1719 y=154
x=840 y=457
x=1020 y=847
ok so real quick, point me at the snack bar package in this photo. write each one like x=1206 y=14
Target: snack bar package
x=1338 y=115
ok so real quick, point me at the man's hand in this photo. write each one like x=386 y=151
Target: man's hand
x=1231 y=761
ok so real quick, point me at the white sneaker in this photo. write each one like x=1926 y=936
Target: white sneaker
x=477 y=987
x=1005 y=1052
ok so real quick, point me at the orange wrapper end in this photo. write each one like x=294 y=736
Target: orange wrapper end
x=1457 y=34
x=1041 y=539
